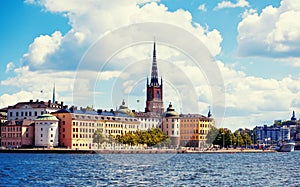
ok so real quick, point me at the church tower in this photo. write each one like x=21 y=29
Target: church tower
x=154 y=102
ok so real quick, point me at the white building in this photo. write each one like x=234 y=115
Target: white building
x=31 y=110
x=148 y=120
x=171 y=125
x=46 y=131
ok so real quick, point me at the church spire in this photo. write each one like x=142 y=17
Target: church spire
x=293 y=118
x=209 y=112
x=154 y=75
x=53 y=94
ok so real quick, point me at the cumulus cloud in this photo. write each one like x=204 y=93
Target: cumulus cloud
x=229 y=4
x=43 y=46
x=254 y=96
x=273 y=33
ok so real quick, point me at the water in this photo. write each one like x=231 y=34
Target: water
x=243 y=169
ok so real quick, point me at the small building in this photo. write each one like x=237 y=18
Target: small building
x=16 y=134
x=171 y=125
x=46 y=131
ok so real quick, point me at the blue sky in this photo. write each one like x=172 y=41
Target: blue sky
x=254 y=44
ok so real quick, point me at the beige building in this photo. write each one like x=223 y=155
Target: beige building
x=171 y=125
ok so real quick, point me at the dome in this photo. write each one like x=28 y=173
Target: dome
x=46 y=117
x=123 y=109
x=171 y=112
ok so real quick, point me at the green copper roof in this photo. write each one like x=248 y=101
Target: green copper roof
x=46 y=117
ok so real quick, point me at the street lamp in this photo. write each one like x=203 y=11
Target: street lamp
x=223 y=139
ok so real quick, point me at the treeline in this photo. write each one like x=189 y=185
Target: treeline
x=226 y=138
x=150 y=137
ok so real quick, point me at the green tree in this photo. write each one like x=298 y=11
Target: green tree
x=99 y=137
x=211 y=135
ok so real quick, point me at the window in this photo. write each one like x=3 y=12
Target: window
x=41 y=135
x=51 y=135
x=51 y=140
x=35 y=113
x=172 y=132
x=41 y=129
x=17 y=113
x=51 y=129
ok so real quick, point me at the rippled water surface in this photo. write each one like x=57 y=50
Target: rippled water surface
x=243 y=169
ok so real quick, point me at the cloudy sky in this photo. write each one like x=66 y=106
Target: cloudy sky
x=240 y=57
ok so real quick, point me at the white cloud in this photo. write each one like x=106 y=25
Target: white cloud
x=202 y=8
x=9 y=67
x=43 y=46
x=229 y=4
x=258 y=99
x=275 y=32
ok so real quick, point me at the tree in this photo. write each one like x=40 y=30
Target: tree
x=211 y=135
x=99 y=137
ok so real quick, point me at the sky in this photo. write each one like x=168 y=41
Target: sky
x=239 y=57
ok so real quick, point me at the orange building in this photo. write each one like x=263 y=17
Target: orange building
x=193 y=129
x=77 y=127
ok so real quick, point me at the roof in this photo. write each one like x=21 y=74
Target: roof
x=35 y=104
x=46 y=117
x=171 y=112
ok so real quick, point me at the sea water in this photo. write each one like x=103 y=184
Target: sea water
x=239 y=169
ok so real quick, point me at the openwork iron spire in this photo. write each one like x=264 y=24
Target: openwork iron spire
x=154 y=74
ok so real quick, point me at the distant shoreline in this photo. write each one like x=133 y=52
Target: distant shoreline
x=133 y=151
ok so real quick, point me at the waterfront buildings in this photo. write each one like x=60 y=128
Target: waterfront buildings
x=30 y=123
x=77 y=127
x=271 y=134
x=18 y=130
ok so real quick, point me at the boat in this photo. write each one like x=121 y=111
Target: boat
x=286 y=146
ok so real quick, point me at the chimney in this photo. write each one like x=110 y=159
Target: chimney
x=49 y=102
x=30 y=100
x=62 y=105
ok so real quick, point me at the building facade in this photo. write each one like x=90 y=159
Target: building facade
x=271 y=134
x=193 y=129
x=171 y=125
x=77 y=127
x=46 y=131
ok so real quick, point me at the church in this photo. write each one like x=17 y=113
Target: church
x=183 y=129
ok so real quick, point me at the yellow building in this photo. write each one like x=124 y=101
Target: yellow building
x=193 y=129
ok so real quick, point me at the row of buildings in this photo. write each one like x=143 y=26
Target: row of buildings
x=279 y=131
x=51 y=124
